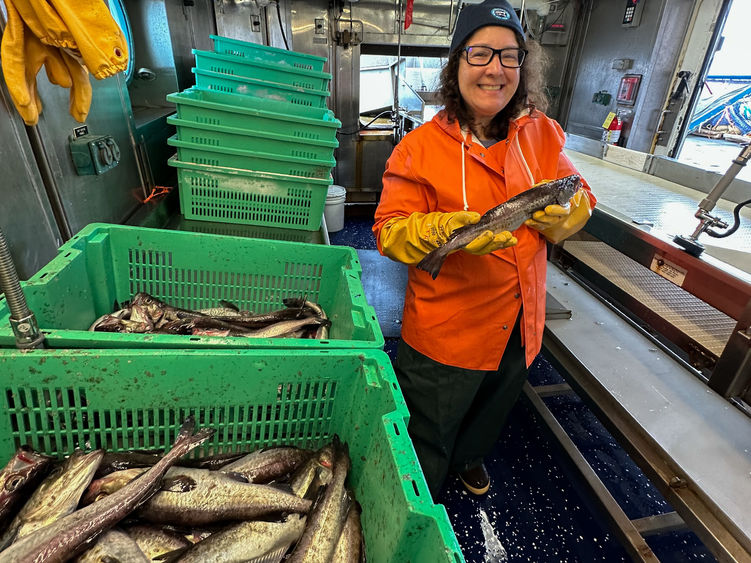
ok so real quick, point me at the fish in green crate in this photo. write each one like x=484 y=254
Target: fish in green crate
x=155 y=540
x=23 y=470
x=258 y=541
x=63 y=538
x=351 y=546
x=57 y=496
x=113 y=546
x=144 y=314
x=266 y=464
x=328 y=515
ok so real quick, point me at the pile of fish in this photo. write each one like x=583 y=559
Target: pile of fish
x=270 y=505
x=300 y=318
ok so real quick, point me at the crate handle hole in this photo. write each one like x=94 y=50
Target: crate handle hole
x=396 y=430
x=414 y=486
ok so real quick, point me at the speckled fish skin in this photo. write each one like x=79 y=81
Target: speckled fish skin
x=327 y=517
x=264 y=465
x=22 y=471
x=59 y=540
x=349 y=548
x=215 y=497
x=155 y=541
x=114 y=546
x=57 y=496
x=507 y=216
x=248 y=541
x=316 y=472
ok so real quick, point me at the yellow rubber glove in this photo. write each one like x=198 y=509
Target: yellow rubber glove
x=22 y=57
x=85 y=28
x=487 y=242
x=557 y=223
x=80 y=90
x=409 y=239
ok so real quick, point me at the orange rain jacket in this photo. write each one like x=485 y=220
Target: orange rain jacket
x=464 y=317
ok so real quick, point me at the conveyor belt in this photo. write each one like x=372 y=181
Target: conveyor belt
x=697 y=320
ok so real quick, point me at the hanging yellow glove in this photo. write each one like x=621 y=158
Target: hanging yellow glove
x=557 y=223
x=80 y=90
x=23 y=55
x=85 y=28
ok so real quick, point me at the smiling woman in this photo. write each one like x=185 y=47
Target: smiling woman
x=469 y=335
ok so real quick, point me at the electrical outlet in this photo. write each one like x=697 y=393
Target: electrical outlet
x=255 y=22
x=94 y=154
x=320 y=26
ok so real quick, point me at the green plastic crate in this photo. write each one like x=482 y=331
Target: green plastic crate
x=250 y=231
x=263 y=53
x=255 y=114
x=246 y=197
x=258 y=141
x=104 y=264
x=263 y=70
x=55 y=401
x=249 y=160
x=217 y=81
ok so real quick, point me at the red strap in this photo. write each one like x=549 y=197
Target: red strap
x=408 y=14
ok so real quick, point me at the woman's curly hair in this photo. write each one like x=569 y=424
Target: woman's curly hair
x=529 y=93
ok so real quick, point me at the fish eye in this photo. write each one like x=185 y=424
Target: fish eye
x=13 y=482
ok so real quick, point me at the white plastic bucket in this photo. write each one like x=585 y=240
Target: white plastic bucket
x=333 y=212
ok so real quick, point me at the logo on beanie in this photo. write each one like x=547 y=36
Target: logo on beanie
x=500 y=13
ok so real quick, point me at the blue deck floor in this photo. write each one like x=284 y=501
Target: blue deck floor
x=533 y=512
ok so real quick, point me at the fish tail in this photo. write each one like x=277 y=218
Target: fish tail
x=432 y=262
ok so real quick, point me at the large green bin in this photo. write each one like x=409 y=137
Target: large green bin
x=264 y=53
x=255 y=114
x=108 y=264
x=249 y=197
x=251 y=160
x=258 y=141
x=263 y=70
x=209 y=80
x=56 y=401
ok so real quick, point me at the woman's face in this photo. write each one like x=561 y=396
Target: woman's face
x=487 y=89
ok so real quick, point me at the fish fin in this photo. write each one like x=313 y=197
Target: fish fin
x=229 y=305
x=179 y=484
x=171 y=556
x=235 y=476
x=275 y=556
x=433 y=262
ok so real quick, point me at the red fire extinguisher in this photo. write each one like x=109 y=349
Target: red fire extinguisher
x=612 y=134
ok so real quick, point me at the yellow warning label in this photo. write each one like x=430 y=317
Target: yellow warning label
x=608 y=120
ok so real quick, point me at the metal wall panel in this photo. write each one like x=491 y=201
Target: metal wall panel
x=109 y=197
x=190 y=25
x=654 y=47
x=26 y=217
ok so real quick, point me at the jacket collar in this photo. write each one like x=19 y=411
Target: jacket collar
x=462 y=134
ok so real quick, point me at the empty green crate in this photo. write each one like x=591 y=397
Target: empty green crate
x=263 y=70
x=108 y=264
x=217 y=81
x=256 y=114
x=250 y=231
x=248 y=160
x=246 y=197
x=56 y=401
x=263 y=53
x=259 y=141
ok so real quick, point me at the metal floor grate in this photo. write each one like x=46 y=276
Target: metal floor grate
x=697 y=320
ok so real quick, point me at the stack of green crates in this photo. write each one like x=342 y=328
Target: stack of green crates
x=255 y=142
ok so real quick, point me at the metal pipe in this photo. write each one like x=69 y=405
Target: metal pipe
x=22 y=320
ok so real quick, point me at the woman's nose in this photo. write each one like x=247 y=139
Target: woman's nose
x=494 y=66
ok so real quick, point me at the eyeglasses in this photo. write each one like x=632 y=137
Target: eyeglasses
x=511 y=57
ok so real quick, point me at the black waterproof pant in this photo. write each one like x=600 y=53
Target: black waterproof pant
x=457 y=415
